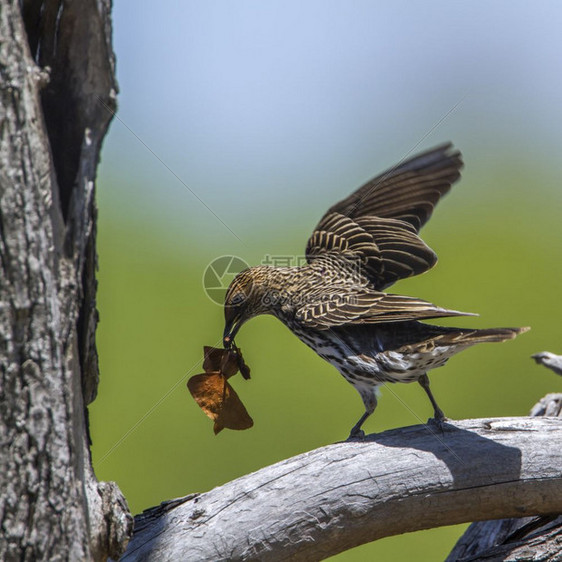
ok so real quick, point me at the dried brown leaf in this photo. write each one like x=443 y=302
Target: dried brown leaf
x=219 y=401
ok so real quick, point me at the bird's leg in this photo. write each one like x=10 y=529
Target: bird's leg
x=370 y=400
x=356 y=431
x=438 y=415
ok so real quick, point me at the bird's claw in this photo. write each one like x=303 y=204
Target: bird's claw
x=438 y=422
x=357 y=435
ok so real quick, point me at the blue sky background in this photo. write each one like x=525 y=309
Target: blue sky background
x=269 y=110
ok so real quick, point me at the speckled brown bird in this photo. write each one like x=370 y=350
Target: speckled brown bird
x=336 y=303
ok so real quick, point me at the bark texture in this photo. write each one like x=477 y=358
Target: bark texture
x=334 y=498
x=526 y=538
x=56 y=64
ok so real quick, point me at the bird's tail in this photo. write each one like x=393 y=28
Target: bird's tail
x=470 y=337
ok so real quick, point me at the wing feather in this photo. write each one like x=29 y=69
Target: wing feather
x=409 y=191
x=378 y=224
x=367 y=307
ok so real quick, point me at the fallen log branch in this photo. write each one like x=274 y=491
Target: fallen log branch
x=539 y=538
x=334 y=498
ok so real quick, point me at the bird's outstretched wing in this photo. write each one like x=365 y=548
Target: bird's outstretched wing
x=377 y=225
x=336 y=307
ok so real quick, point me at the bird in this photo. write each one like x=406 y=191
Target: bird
x=549 y=360
x=336 y=302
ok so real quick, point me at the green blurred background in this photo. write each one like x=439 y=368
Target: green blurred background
x=259 y=116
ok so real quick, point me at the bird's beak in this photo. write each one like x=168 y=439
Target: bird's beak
x=231 y=327
x=227 y=337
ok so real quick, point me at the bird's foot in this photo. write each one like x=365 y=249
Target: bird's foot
x=356 y=435
x=438 y=421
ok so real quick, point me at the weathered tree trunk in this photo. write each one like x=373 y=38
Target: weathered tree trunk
x=56 y=66
x=334 y=498
x=525 y=538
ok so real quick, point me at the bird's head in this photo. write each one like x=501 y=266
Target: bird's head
x=244 y=300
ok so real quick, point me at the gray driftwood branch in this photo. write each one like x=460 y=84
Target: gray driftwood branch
x=523 y=538
x=329 y=500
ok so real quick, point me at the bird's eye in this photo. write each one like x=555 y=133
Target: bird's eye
x=237 y=299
